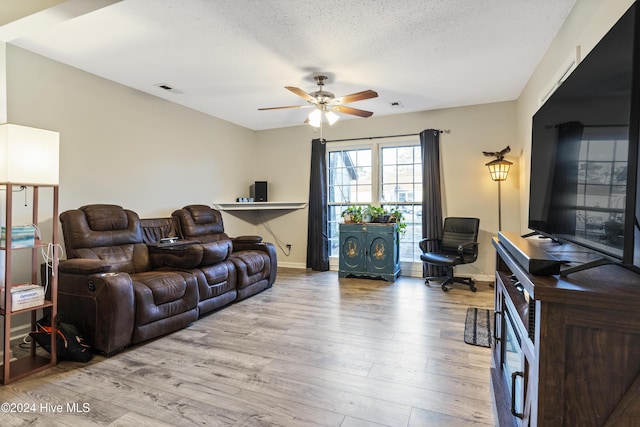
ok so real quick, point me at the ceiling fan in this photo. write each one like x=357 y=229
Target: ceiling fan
x=327 y=104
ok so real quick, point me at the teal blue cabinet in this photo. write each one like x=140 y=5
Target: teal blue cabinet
x=370 y=250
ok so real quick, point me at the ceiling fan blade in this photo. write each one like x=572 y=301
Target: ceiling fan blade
x=301 y=93
x=287 y=106
x=358 y=96
x=350 y=110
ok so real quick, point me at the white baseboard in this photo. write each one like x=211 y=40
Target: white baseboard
x=17 y=335
x=11 y=358
x=292 y=265
x=409 y=269
x=19 y=332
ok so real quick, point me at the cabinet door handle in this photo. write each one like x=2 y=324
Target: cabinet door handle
x=495 y=325
x=514 y=376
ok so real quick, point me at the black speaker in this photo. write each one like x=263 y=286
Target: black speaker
x=258 y=191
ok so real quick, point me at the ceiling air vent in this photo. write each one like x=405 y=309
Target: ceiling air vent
x=168 y=88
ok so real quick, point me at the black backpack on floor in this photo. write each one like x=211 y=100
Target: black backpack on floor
x=69 y=345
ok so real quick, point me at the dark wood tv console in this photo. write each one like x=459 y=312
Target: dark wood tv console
x=568 y=347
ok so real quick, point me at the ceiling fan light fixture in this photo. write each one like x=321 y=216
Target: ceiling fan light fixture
x=315 y=118
x=326 y=104
x=332 y=117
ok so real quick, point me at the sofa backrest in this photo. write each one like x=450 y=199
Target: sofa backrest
x=154 y=229
x=200 y=222
x=106 y=232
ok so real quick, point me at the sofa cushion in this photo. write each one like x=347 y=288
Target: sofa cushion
x=253 y=272
x=164 y=288
x=105 y=217
x=216 y=280
x=155 y=229
x=162 y=294
x=219 y=279
x=200 y=222
x=79 y=233
x=255 y=262
x=203 y=214
x=252 y=266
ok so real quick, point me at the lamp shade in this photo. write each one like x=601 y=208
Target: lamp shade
x=499 y=169
x=29 y=155
x=331 y=117
x=315 y=118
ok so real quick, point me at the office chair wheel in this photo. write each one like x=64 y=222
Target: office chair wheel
x=444 y=288
x=471 y=285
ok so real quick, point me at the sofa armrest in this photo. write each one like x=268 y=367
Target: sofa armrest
x=84 y=266
x=100 y=305
x=246 y=239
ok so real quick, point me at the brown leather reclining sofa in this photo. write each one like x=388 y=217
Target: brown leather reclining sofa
x=121 y=285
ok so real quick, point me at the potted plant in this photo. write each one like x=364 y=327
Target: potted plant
x=371 y=213
x=366 y=214
x=396 y=216
x=375 y=212
x=352 y=214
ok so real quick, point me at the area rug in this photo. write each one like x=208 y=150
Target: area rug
x=477 y=327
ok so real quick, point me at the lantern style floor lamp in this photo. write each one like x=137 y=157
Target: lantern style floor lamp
x=499 y=170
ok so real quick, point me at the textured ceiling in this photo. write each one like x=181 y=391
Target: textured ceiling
x=227 y=58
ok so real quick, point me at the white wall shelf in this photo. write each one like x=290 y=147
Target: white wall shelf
x=258 y=206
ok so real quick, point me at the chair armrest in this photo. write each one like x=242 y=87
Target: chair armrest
x=423 y=244
x=466 y=246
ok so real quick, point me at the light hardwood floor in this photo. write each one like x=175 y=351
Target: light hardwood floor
x=314 y=350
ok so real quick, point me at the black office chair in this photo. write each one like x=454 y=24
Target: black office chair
x=458 y=245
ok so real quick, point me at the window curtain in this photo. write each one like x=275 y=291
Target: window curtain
x=317 y=236
x=431 y=196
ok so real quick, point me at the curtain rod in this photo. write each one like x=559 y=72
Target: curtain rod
x=380 y=137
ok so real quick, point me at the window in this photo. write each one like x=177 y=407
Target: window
x=401 y=183
x=384 y=173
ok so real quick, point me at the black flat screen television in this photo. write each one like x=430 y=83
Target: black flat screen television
x=584 y=152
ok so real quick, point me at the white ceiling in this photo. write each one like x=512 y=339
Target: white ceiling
x=230 y=57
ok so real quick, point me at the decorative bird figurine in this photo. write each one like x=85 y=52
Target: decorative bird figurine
x=499 y=154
